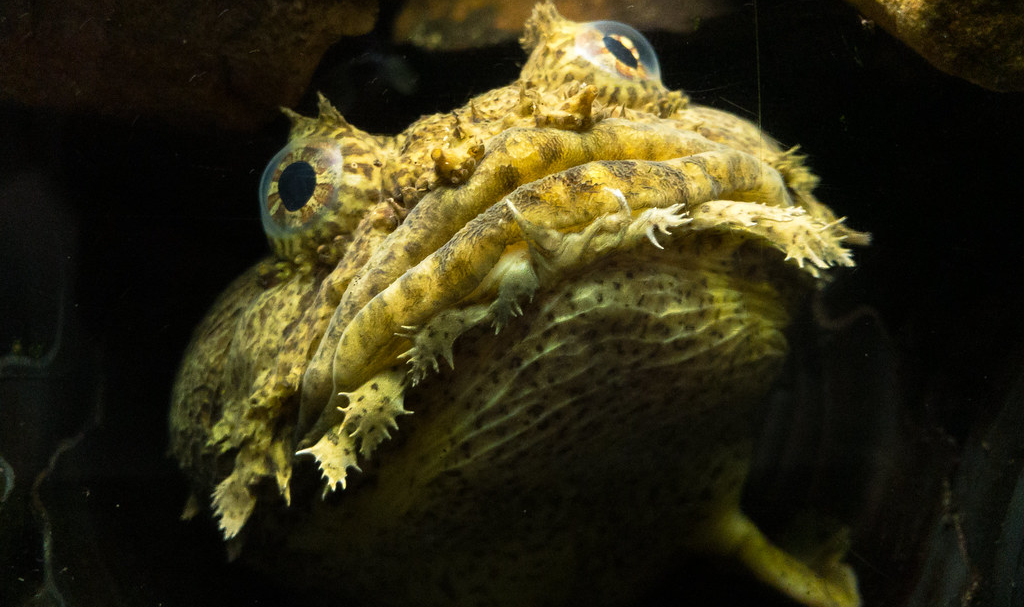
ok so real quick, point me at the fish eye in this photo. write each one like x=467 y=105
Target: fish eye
x=296 y=185
x=618 y=49
x=300 y=185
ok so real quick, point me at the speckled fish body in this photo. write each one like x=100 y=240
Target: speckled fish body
x=521 y=341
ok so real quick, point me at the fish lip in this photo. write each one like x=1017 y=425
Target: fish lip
x=451 y=240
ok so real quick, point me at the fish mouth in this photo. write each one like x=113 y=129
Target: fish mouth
x=542 y=205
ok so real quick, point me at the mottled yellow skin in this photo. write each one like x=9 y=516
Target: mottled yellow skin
x=577 y=284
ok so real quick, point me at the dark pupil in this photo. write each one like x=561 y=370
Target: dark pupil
x=296 y=184
x=620 y=51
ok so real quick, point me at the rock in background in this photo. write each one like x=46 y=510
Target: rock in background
x=224 y=63
x=462 y=24
x=981 y=41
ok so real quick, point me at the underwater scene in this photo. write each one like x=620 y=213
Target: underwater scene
x=459 y=302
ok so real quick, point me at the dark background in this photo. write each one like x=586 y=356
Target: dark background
x=116 y=236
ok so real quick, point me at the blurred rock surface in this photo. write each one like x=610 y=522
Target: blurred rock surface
x=981 y=41
x=227 y=63
x=464 y=24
